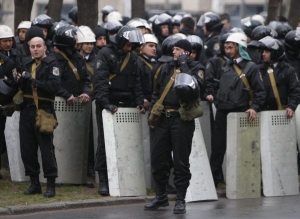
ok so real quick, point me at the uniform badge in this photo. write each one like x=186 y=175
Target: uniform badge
x=201 y=74
x=216 y=46
x=14 y=73
x=98 y=64
x=1 y=61
x=55 y=71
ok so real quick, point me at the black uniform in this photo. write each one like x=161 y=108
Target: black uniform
x=287 y=84
x=233 y=97
x=172 y=134
x=212 y=45
x=124 y=90
x=47 y=83
x=69 y=84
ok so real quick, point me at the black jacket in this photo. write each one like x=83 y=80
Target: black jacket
x=166 y=72
x=69 y=84
x=287 y=85
x=125 y=86
x=47 y=81
x=212 y=45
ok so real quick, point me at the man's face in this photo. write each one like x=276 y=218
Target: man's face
x=226 y=24
x=193 y=54
x=87 y=48
x=175 y=29
x=45 y=32
x=22 y=33
x=165 y=30
x=37 y=48
x=266 y=56
x=6 y=44
x=177 y=52
x=127 y=47
x=231 y=49
x=149 y=49
x=101 y=41
x=204 y=30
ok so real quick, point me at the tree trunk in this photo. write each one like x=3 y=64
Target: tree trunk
x=138 y=8
x=87 y=13
x=54 y=9
x=274 y=10
x=294 y=13
x=22 y=11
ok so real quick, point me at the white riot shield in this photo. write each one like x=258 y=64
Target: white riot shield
x=278 y=154
x=297 y=116
x=124 y=152
x=201 y=184
x=206 y=126
x=16 y=166
x=243 y=175
x=71 y=141
x=147 y=151
x=95 y=134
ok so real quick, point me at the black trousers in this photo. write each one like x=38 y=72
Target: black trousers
x=2 y=136
x=172 y=135
x=30 y=139
x=219 y=142
x=100 y=160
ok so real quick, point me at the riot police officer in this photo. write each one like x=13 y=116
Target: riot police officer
x=105 y=11
x=279 y=78
x=22 y=29
x=73 y=15
x=101 y=38
x=234 y=95
x=115 y=64
x=161 y=27
x=173 y=133
x=41 y=77
x=292 y=49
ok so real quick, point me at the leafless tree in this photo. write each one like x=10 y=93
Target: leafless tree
x=87 y=13
x=274 y=10
x=294 y=13
x=22 y=11
x=138 y=8
x=54 y=9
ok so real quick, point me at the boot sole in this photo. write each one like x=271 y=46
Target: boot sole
x=179 y=212
x=155 y=208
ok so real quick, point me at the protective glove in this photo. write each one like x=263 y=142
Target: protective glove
x=27 y=76
x=110 y=107
x=182 y=60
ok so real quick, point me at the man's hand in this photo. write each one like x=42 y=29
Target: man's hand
x=210 y=98
x=84 y=98
x=146 y=104
x=289 y=113
x=182 y=58
x=142 y=109
x=111 y=108
x=252 y=114
x=71 y=100
x=26 y=75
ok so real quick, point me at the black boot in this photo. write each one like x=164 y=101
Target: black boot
x=50 y=192
x=35 y=186
x=160 y=200
x=103 y=183
x=179 y=207
x=0 y=176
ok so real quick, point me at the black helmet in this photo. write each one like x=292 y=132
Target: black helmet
x=292 y=41
x=107 y=9
x=187 y=88
x=73 y=14
x=43 y=21
x=281 y=28
x=197 y=44
x=162 y=19
x=273 y=45
x=113 y=26
x=249 y=26
x=100 y=31
x=131 y=34
x=211 y=21
x=261 y=32
x=176 y=20
x=55 y=26
x=168 y=44
x=65 y=37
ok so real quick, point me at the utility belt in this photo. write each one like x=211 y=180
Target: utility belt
x=171 y=112
x=122 y=103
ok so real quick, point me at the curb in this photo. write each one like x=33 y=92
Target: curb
x=14 y=210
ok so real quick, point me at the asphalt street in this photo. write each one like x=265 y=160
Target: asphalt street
x=259 y=208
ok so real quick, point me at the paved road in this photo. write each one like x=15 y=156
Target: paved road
x=260 y=208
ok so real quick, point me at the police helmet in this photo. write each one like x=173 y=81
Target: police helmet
x=239 y=38
x=55 y=26
x=150 y=38
x=176 y=20
x=211 y=21
x=147 y=25
x=273 y=45
x=186 y=88
x=137 y=23
x=162 y=19
x=114 y=16
x=130 y=34
x=261 y=32
x=43 y=21
x=65 y=37
x=281 y=28
x=107 y=9
x=260 y=17
x=249 y=26
x=113 y=27
x=100 y=31
x=196 y=42
x=236 y=30
x=167 y=48
x=6 y=32
x=73 y=14
x=85 y=35
x=292 y=41
x=24 y=25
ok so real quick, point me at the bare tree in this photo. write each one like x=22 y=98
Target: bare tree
x=22 y=11
x=54 y=9
x=294 y=13
x=138 y=8
x=87 y=13
x=274 y=10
